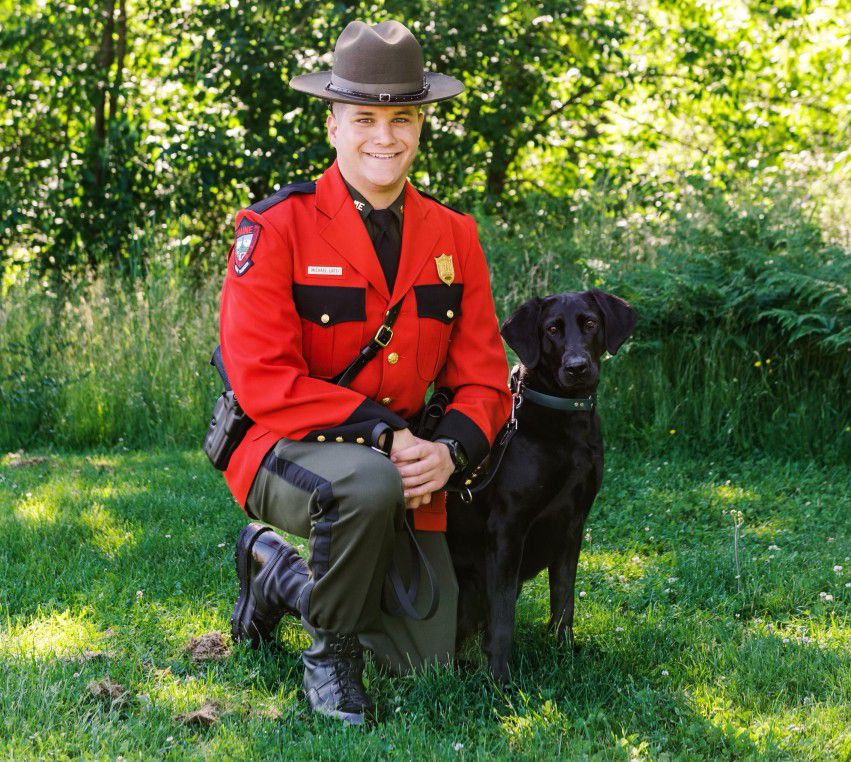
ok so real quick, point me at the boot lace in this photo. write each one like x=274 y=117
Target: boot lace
x=349 y=669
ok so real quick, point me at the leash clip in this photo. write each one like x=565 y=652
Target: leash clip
x=517 y=401
x=466 y=495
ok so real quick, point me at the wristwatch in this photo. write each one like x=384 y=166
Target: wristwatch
x=456 y=452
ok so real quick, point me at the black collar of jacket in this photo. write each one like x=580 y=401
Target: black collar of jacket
x=364 y=207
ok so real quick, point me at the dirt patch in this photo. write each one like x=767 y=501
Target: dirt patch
x=212 y=645
x=206 y=715
x=109 y=691
x=16 y=460
x=87 y=656
x=101 y=464
x=266 y=713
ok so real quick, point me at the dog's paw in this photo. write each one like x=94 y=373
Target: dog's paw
x=501 y=676
x=564 y=634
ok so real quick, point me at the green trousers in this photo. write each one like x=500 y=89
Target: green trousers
x=347 y=499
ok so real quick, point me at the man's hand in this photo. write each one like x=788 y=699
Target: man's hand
x=425 y=466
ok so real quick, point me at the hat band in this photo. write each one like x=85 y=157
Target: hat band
x=383 y=97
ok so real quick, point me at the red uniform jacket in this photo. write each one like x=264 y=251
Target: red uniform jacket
x=304 y=291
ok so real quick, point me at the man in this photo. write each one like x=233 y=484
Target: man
x=314 y=271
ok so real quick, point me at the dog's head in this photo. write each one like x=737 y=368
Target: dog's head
x=562 y=337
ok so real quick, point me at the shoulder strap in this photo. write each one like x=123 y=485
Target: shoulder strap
x=282 y=195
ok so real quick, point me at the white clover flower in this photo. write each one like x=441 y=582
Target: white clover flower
x=837 y=568
x=773 y=547
x=582 y=593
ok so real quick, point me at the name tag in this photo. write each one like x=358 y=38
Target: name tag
x=324 y=270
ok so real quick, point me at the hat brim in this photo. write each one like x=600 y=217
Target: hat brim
x=441 y=88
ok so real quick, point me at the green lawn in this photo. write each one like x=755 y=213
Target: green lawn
x=111 y=562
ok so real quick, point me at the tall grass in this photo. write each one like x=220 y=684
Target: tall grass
x=742 y=343
x=111 y=362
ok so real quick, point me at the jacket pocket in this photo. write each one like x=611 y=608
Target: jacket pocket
x=332 y=321
x=438 y=307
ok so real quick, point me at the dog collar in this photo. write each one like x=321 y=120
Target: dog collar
x=519 y=389
x=559 y=403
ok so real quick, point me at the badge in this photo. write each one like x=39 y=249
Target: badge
x=324 y=270
x=247 y=236
x=445 y=268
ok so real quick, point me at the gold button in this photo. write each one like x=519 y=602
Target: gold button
x=325 y=318
x=392 y=358
x=339 y=439
x=450 y=314
x=468 y=482
x=320 y=438
x=359 y=440
x=386 y=400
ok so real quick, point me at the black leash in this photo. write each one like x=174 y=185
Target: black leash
x=406 y=595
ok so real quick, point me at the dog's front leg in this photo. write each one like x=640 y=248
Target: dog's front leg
x=502 y=567
x=562 y=570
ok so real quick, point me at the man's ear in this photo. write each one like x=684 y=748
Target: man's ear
x=618 y=318
x=331 y=128
x=520 y=332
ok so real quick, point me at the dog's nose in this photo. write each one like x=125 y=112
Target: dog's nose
x=576 y=367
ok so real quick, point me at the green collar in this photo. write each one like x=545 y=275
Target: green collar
x=559 y=403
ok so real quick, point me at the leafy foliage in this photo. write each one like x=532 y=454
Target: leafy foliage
x=121 y=115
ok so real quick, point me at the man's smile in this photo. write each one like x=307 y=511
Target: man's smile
x=382 y=155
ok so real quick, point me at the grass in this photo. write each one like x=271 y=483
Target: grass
x=129 y=555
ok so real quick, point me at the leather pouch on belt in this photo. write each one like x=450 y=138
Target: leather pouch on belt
x=228 y=426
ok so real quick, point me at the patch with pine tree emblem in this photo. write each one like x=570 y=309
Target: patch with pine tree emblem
x=247 y=235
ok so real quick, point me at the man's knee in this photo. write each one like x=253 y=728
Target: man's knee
x=375 y=486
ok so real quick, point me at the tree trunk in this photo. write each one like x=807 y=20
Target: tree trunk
x=103 y=64
x=120 y=53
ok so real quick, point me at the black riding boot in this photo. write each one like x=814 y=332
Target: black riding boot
x=271 y=577
x=333 y=676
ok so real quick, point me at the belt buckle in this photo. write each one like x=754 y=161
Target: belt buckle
x=378 y=333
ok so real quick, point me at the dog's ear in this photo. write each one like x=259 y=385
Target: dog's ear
x=520 y=332
x=618 y=318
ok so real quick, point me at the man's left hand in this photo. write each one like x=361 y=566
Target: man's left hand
x=425 y=467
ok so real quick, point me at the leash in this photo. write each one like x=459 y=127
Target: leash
x=520 y=393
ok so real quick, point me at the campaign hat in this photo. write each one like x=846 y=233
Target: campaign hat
x=379 y=65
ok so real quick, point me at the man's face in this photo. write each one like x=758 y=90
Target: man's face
x=376 y=145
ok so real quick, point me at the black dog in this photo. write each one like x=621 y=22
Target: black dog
x=531 y=515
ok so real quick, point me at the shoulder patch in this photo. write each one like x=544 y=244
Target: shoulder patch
x=247 y=235
x=282 y=195
x=438 y=201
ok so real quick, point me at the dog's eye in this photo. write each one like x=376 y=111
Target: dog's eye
x=590 y=325
x=553 y=329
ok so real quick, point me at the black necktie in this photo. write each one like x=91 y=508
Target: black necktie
x=388 y=253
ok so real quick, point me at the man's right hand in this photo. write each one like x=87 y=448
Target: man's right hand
x=402 y=439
